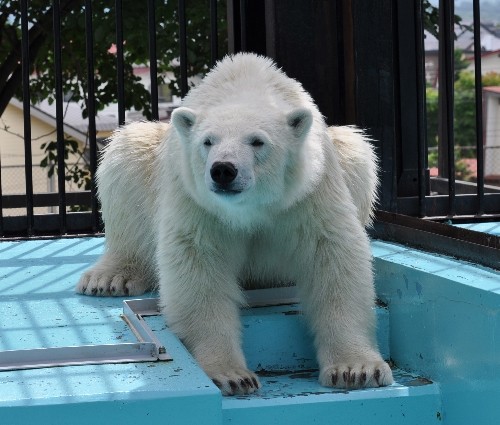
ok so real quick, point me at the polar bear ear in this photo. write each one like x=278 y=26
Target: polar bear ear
x=183 y=120
x=300 y=120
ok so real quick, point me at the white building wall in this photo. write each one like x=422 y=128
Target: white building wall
x=492 y=134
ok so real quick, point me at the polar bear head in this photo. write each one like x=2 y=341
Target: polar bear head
x=250 y=152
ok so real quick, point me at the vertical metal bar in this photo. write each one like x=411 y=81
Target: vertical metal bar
x=421 y=113
x=61 y=166
x=183 y=46
x=120 y=62
x=243 y=23
x=446 y=98
x=479 y=107
x=2 y=231
x=409 y=113
x=25 y=55
x=234 y=27
x=214 y=48
x=89 y=48
x=153 y=64
x=391 y=159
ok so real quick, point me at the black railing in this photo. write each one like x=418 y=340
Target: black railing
x=451 y=202
x=391 y=103
x=29 y=223
x=91 y=107
x=363 y=62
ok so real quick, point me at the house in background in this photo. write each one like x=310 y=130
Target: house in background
x=167 y=102
x=490 y=46
x=490 y=62
x=489 y=33
x=43 y=130
x=492 y=135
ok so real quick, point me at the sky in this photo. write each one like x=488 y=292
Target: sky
x=490 y=9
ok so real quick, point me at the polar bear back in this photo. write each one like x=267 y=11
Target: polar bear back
x=359 y=163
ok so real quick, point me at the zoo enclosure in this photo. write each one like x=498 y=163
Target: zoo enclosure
x=363 y=63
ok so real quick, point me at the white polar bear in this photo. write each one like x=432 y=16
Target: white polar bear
x=247 y=184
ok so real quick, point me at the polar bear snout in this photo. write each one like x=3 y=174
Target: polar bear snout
x=225 y=179
x=223 y=173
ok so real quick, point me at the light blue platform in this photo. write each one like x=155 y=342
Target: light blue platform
x=441 y=328
x=492 y=228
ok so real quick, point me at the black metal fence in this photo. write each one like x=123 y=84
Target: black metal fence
x=390 y=70
x=42 y=23
x=413 y=191
x=363 y=62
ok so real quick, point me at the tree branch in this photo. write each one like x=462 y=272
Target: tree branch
x=11 y=68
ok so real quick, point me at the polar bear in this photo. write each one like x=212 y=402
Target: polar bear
x=245 y=186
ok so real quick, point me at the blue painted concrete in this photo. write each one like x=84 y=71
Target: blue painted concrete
x=38 y=308
x=277 y=338
x=491 y=228
x=443 y=323
x=298 y=399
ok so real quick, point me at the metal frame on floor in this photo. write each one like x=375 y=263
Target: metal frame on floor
x=147 y=349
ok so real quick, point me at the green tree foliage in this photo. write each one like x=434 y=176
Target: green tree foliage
x=460 y=63
x=75 y=173
x=461 y=98
x=74 y=57
x=431 y=18
x=74 y=64
x=464 y=118
x=432 y=105
x=464 y=112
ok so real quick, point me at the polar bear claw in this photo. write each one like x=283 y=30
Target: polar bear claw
x=236 y=382
x=108 y=279
x=356 y=375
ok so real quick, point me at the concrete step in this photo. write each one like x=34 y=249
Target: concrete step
x=277 y=338
x=297 y=398
x=279 y=347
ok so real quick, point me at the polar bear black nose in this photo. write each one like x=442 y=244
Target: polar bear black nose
x=223 y=172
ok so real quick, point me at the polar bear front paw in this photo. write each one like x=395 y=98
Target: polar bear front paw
x=103 y=283
x=236 y=382
x=357 y=375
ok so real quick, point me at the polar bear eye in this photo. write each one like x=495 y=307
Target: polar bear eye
x=256 y=142
x=207 y=142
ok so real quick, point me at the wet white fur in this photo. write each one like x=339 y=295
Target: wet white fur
x=307 y=194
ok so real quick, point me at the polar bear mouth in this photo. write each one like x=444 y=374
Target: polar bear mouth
x=226 y=192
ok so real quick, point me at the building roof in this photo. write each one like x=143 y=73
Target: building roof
x=74 y=124
x=492 y=89
x=490 y=38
